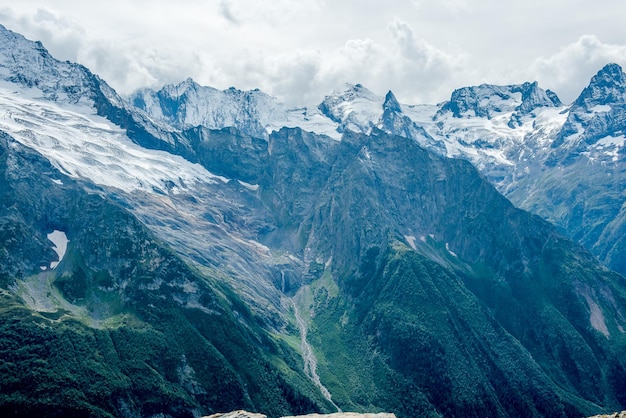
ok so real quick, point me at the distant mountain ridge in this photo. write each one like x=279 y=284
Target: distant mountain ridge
x=189 y=105
x=520 y=136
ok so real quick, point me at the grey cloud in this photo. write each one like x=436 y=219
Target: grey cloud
x=227 y=13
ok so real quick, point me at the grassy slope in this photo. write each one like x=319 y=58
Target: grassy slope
x=413 y=339
x=122 y=326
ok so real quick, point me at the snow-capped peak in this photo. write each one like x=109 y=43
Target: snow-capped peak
x=28 y=63
x=391 y=103
x=608 y=86
x=353 y=107
x=489 y=100
x=252 y=112
x=188 y=104
x=595 y=125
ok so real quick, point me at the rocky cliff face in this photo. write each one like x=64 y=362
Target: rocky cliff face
x=188 y=105
x=615 y=415
x=596 y=114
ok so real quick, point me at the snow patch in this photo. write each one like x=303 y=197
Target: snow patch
x=253 y=187
x=601 y=108
x=311 y=120
x=329 y=262
x=610 y=146
x=450 y=251
x=615 y=141
x=59 y=239
x=410 y=239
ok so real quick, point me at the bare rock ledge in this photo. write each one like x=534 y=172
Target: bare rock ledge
x=244 y=414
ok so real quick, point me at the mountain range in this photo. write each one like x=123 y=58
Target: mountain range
x=189 y=250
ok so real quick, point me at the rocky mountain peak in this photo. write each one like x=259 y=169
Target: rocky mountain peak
x=391 y=103
x=607 y=87
x=185 y=86
x=479 y=101
x=341 y=103
x=487 y=100
x=29 y=64
x=188 y=104
x=596 y=120
x=534 y=96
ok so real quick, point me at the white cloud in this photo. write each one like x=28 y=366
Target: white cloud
x=61 y=34
x=570 y=69
x=415 y=70
x=136 y=66
x=426 y=73
x=301 y=50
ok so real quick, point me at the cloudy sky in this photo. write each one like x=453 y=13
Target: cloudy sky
x=301 y=50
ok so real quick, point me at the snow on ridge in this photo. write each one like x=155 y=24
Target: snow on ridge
x=253 y=112
x=256 y=113
x=252 y=187
x=84 y=145
x=310 y=120
x=353 y=107
x=610 y=146
x=485 y=140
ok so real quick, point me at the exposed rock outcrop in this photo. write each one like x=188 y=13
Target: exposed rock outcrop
x=346 y=415
x=237 y=414
x=244 y=414
x=615 y=415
